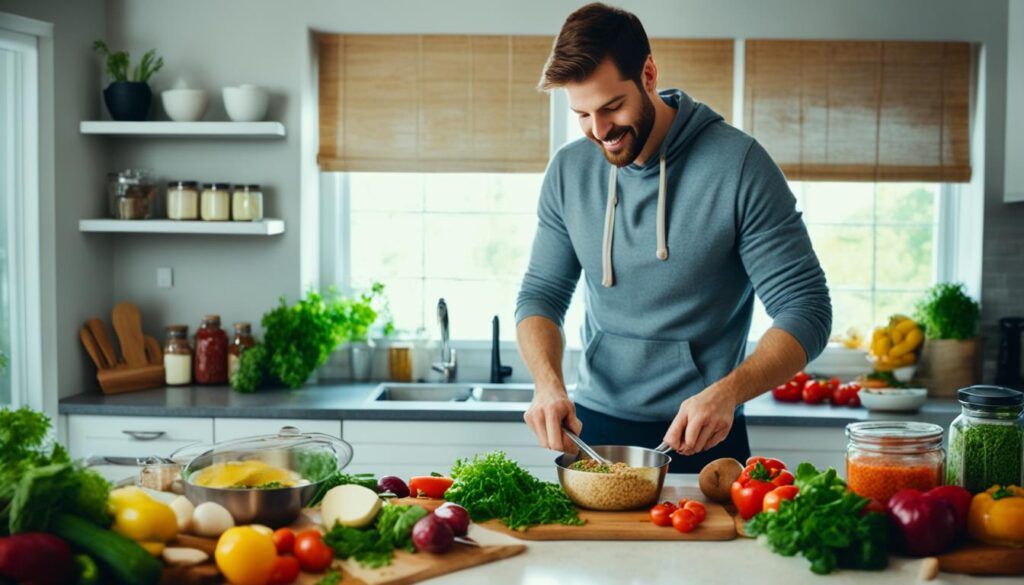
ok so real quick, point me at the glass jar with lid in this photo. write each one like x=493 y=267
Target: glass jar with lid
x=242 y=341
x=883 y=457
x=247 y=203
x=986 y=442
x=183 y=200
x=132 y=194
x=215 y=204
x=177 y=356
x=211 y=364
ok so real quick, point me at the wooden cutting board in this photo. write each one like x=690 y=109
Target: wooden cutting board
x=407 y=567
x=983 y=559
x=632 y=525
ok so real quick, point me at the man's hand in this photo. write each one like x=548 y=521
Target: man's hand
x=703 y=420
x=545 y=416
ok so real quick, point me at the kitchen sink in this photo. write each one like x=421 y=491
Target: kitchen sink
x=428 y=392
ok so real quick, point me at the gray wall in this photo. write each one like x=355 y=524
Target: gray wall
x=83 y=274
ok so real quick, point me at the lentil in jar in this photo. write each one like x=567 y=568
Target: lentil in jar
x=885 y=457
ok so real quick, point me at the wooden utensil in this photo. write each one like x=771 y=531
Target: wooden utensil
x=629 y=525
x=983 y=559
x=154 y=352
x=99 y=333
x=92 y=348
x=128 y=326
x=126 y=379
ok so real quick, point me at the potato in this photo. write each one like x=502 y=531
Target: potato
x=349 y=505
x=210 y=519
x=716 y=478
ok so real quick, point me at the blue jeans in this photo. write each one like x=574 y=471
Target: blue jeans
x=601 y=429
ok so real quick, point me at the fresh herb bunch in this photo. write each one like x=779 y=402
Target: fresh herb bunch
x=38 y=480
x=948 y=313
x=332 y=577
x=119 y=62
x=367 y=480
x=374 y=547
x=493 y=486
x=826 y=524
x=252 y=369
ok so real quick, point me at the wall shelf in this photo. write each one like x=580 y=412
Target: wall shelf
x=184 y=129
x=267 y=227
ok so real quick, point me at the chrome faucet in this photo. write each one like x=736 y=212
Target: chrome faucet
x=447 y=366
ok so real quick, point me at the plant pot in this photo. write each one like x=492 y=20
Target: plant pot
x=128 y=101
x=361 y=358
x=947 y=365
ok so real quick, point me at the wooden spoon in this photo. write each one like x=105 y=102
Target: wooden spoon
x=92 y=348
x=128 y=326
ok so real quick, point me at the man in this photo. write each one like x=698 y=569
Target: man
x=676 y=219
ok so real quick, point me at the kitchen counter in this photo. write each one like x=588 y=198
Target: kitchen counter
x=353 y=402
x=642 y=563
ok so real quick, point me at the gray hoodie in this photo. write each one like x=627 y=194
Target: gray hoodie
x=663 y=324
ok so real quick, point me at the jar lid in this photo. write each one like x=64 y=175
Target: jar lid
x=243 y=325
x=177 y=328
x=981 y=395
x=181 y=184
x=252 y=187
x=893 y=432
x=217 y=186
x=212 y=318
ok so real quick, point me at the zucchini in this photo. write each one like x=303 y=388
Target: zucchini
x=123 y=559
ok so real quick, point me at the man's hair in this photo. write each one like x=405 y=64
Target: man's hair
x=589 y=36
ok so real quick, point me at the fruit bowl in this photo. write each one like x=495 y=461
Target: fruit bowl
x=893 y=399
x=902 y=374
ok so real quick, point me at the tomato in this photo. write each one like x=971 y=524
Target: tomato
x=854 y=398
x=800 y=379
x=670 y=505
x=816 y=392
x=429 y=485
x=682 y=502
x=788 y=392
x=661 y=515
x=698 y=510
x=834 y=383
x=284 y=540
x=285 y=571
x=314 y=556
x=773 y=498
x=840 y=396
x=245 y=555
x=684 y=520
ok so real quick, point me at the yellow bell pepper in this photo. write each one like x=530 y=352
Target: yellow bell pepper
x=143 y=519
x=996 y=516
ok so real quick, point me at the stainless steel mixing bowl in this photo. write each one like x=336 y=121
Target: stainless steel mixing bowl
x=638 y=488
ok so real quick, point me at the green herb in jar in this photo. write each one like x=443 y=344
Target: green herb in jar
x=983 y=455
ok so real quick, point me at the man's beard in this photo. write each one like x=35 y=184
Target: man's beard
x=634 y=137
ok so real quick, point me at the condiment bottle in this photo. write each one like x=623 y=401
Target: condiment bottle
x=182 y=200
x=986 y=442
x=884 y=457
x=216 y=202
x=211 y=352
x=177 y=356
x=243 y=340
x=247 y=203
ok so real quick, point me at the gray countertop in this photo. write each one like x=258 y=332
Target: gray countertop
x=353 y=402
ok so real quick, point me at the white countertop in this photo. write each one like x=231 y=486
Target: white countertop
x=643 y=563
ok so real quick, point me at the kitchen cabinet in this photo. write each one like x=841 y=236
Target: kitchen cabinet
x=229 y=429
x=134 y=436
x=1013 y=188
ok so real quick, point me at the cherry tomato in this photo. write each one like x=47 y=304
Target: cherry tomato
x=314 y=556
x=285 y=571
x=698 y=510
x=661 y=515
x=284 y=540
x=801 y=378
x=854 y=398
x=684 y=520
x=816 y=392
x=682 y=502
x=773 y=498
x=840 y=396
x=834 y=383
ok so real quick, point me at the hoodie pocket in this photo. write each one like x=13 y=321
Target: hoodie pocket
x=649 y=371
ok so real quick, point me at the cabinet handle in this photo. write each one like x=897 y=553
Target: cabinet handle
x=145 y=435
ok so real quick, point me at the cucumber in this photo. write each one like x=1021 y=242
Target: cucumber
x=121 y=558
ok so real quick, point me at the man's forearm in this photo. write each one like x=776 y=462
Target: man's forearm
x=540 y=345
x=777 y=357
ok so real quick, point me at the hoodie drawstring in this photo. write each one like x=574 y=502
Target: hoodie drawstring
x=608 y=277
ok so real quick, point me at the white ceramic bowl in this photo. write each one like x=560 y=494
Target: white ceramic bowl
x=893 y=399
x=246 y=103
x=184 y=105
x=904 y=374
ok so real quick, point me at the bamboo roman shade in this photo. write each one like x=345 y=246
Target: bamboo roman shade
x=433 y=103
x=861 y=111
x=703 y=68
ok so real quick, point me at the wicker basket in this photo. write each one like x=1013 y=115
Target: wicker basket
x=947 y=365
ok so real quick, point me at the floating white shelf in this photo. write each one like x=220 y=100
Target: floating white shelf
x=267 y=227
x=197 y=129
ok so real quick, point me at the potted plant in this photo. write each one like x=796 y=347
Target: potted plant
x=128 y=96
x=363 y=312
x=950 y=359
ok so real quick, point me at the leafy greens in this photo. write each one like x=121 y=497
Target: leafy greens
x=374 y=547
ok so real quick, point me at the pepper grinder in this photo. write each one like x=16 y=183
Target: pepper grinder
x=1008 y=372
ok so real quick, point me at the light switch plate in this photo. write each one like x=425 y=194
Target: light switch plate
x=164 y=277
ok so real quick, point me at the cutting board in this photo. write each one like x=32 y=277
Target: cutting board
x=405 y=569
x=632 y=525
x=983 y=559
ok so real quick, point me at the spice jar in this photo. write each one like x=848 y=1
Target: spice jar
x=986 y=442
x=131 y=194
x=243 y=340
x=247 y=203
x=883 y=457
x=215 y=202
x=211 y=352
x=183 y=200
x=177 y=356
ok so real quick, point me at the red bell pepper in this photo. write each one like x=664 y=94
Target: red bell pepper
x=758 y=478
x=928 y=523
x=429 y=485
x=775 y=497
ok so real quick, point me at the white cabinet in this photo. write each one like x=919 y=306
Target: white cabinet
x=407 y=448
x=1013 y=188
x=822 y=446
x=229 y=429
